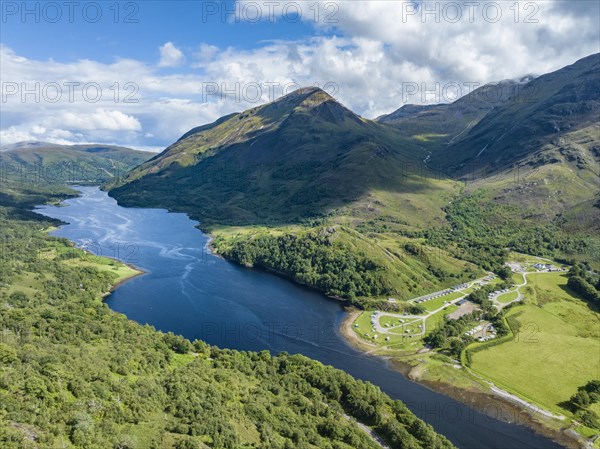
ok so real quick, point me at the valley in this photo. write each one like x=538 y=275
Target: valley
x=466 y=268
x=403 y=227
x=300 y=225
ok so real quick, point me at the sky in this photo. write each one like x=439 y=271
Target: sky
x=142 y=73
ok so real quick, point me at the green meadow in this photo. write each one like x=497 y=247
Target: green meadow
x=553 y=352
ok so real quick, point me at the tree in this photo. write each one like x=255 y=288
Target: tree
x=581 y=399
x=456 y=347
x=187 y=443
x=504 y=272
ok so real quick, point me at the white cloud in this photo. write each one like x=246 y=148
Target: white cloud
x=19 y=134
x=170 y=55
x=383 y=44
x=205 y=53
x=367 y=59
x=99 y=120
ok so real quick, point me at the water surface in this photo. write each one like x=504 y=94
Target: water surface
x=191 y=292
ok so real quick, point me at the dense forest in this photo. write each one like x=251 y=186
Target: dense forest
x=74 y=374
x=585 y=282
x=481 y=231
x=315 y=259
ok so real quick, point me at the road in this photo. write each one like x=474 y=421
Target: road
x=501 y=305
x=385 y=330
x=421 y=319
x=366 y=429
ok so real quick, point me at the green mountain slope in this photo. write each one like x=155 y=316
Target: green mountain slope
x=532 y=166
x=544 y=111
x=307 y=166
x=546 y=203
x=300 y=156
x=41 y=162
x=436 y=126
x=529 y=165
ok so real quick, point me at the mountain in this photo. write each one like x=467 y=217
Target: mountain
x=53 y=163
x=531 y=143
x=436 y=126
x=364 y=210
x=538 y=152
x=302 y=155
x=549 y=112
x=313 y=171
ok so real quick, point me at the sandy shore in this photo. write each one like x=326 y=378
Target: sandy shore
x=486 y=400
x=349 y=334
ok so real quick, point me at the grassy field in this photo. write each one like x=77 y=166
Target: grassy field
x=517 y=278
x=122 y=271
x=434 y=320
x=434 y=304
x=508 y=297
x=412 y=328
x=397 y=337
x=27 y=283
x=394 y=321
x=552 y=354
x=30 y=283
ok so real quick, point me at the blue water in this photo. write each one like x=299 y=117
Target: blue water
x=191 y=292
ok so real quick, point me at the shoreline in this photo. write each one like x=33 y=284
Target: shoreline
x=136 y=272
x=490 y=401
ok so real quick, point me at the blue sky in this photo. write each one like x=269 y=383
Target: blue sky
x=137 y=29
x=186 y=63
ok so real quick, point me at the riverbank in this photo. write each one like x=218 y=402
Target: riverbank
x=125 y=271
x=133 y=273
x=487 y=399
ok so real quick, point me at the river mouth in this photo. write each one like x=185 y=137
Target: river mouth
x=189 y=291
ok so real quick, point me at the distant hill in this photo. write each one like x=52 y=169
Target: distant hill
x=299 y=156
x=436 y=126
x=43 y=162
x=547 y=111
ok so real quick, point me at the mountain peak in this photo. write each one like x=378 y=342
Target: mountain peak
x=306 y=96
x=307 y=90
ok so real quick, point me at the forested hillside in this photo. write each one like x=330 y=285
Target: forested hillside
x=47 y=163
